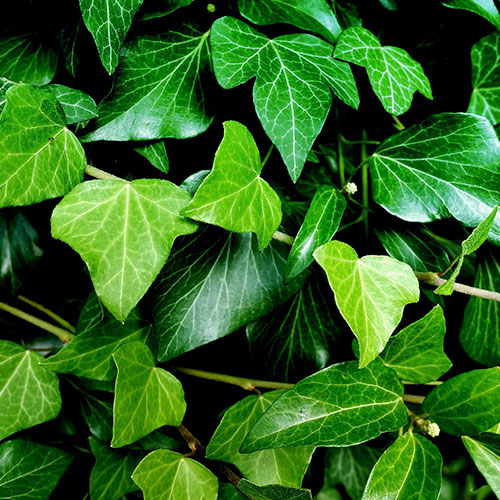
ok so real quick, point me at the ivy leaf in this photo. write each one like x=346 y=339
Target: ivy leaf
x=164 y=8
x=5 y=85
x=272 y=491
x=29 y=393
x=166 y=474
x=294 y=76
x=109 y=23
x=157 y=91
x=320 y=224
x=393 y=74
x=77 y=106
x=416 y=353
x=39 y=157
x=98 y=415
x=146 y=397
x=124 y=232
x=411 y=464
x=370 y=293
x=341 y=405
x=234 y=196
x=446 y=166
x=284 y=467
x=466 y=404
x=484 y=8
x=193 y=306
x=156 y=154
x=227 y=491
x=29 y=470
x=314 y=15
x=480 y=331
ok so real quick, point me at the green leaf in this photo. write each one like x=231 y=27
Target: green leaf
x=484 y=8
x=29 y=393
x=370 y=293
x=480 y=331
x=320 y=224
x=234 y=196
x=272 y=492
x=77 y=106
x=416 y=353
x=39 y=157
x=110 y=477
x=294 y=76
x=193 y=306
x=485 y=451
x=25 y=58
x=410 y=467
x=164 y=7
x=157 y=91
x=341 y=405
x=5 y=85
x=156 y=154
x=466 y=404
x=124 y=232
x=313 y=15
x=29 y=470
x=446 y=166
x=99 y=335
x=284 y=467
x=146 y=397
x=227 y=491
x=109 y=23
x=393 y=74
x=166 y=474
x=98 y=415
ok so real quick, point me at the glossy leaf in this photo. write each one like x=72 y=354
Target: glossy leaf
x=157 y=91
x=341 y=405
x=466 y=404
x=166 y=474
x=163 y=8
x=272 y=491
x=294 y=76
x=77 y=106
x=29 y=470
x=124 y=232
x=410 y=466
x=393 y=74
x=320 y=224
x=156 y=154
x=446 y=166
x=5 y=84
x=39 y=157
x=370 y=293
x=484 y=8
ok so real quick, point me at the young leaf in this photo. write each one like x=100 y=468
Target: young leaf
x=411 y=464
x=156 y=154
x=466 y=404
x=320 y=224
x=341 y=405
x=370 y=293
x=234 y=196
x=416 y=353
x=157 y=91
x=284 y=467
x=272 y=492
x=294 y=76
x=124 y=232
x=146 y=397
x=29 y=470
x=484 y=8
x=394 y=75
x=29 y=393
x=77 y=106
x=446 y=166
x=166 y=474
x=39 y=157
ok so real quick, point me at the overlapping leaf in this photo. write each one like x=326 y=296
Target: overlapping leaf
x=484 y=8
x=77 y=106
x=155 y=153
x=273 y=491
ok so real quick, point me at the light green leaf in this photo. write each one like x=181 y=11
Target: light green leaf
x=77 y=106
x=109 y=22
x=393 y=74
x=5 y=84
x=124 y=232
x=446 y=166
x=39 y=157
x=166 y=474
x=294 y=76
x=157 y=91
x=370 y=293
x=495 y=429
x=310 y=15
x=416 y=353
x=484 y=8
x=146 y=397
x=234 y=196
x=410 y=467
x=155 y=153
x=29 y=470
x=341 y=405
x=480 y=332
x=284 y=467
x=466 y=404
x=193 y=306
x=320 y=224
x=272 y=492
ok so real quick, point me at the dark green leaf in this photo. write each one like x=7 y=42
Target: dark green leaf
x=227 y=491
x=484 y=8
x=98 y=415
x=163 y=8
x=156 y=154
x=77 y=106
x=272 y=492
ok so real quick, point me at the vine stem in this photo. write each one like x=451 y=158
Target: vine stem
x=364 y=184
x=411 y=398
x=101 y=174
x=264 y=161
x=65 y=324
